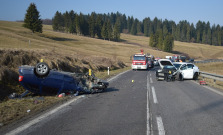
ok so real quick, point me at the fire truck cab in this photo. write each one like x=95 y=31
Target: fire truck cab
x=139 y=61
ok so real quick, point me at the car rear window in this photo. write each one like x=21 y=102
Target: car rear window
x=166 y=63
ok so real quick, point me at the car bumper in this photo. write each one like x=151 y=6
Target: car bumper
x=139 y=66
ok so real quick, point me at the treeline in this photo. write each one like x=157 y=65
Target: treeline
x=109 y=26
x=184 y=31
x=104 y=26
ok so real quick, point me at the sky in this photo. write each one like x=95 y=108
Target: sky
x=176 y=10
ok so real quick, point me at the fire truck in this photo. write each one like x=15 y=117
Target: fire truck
x=139 y=61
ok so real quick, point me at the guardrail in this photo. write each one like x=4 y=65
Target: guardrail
x=208 y=61
x=212 y=76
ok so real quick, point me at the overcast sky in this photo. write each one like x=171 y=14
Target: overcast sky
x=176 y=10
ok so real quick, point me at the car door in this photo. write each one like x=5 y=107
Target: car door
x=187 y=71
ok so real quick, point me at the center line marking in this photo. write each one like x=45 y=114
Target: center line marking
x=154 y=95
x=160 y=126
x=151 y=80
x=147 y=108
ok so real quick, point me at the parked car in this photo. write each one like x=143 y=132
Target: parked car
x=40 y=79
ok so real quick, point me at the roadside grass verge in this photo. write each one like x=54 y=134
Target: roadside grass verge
x=213 y=67
x=210 y=82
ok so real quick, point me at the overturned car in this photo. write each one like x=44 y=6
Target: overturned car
x=176 y=71
x=40 y=79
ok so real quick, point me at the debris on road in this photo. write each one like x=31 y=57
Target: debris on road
x=203 y=83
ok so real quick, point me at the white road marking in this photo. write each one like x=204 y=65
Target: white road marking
x=40 y=118
x=147 y=108
x=154 y=95
x=115 y=77
x=151 y=80
x=160 y=126
x=211 y=89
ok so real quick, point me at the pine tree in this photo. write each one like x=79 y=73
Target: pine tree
x=134 y=27
x=98 y=26
x=204 y=38
x=116 y=32
x=209 y=37
x=109 y=30
x=77 y=25
x=139 y=27
x=188 y=33
x=67 y=21
x=104 y=31
x=92 y=24
x=160 y=40
x=72 y=27
x=146 y=26
x=198 y=37
x=168 y=43
x=32 y=19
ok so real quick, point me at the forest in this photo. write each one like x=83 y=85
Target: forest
x=109 y=26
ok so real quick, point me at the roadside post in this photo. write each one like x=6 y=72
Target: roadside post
x=89 y=72
x=108 y=70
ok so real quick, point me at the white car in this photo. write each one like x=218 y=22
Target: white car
x=187 y=70
x=176 y=70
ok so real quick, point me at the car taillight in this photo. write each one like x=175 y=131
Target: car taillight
x=144 y=63
x=20 y=78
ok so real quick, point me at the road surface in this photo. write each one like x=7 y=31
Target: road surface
x=136 y=104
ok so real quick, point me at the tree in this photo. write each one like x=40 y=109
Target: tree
x=168 y=43
x=116 y=31
x=134 y=27
x=98 y=26
x=188 y=33
x=92 y=24
x=146 y=26
x=109 y=30
x=104 y=31
x=32 y=20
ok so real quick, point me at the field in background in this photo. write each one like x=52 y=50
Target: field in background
x=13 y=35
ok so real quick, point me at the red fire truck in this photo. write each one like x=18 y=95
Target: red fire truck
x=139 y=61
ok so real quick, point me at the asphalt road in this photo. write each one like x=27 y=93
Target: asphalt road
x=136 y=104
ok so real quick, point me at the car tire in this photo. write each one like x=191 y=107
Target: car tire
x=180 y=77
x=195 y=76
x=42 y=69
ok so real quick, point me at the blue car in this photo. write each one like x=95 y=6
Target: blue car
x=40 y=79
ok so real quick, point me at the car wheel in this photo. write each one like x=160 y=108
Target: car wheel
x=42 y=69
x=180 y=77
x=195 y=76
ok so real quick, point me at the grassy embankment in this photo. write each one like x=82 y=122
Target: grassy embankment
x=79 y=53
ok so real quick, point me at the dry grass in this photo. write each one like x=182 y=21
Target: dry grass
x=216 y=67
x=199 y=51
x=210 y=82
x=16 y=109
